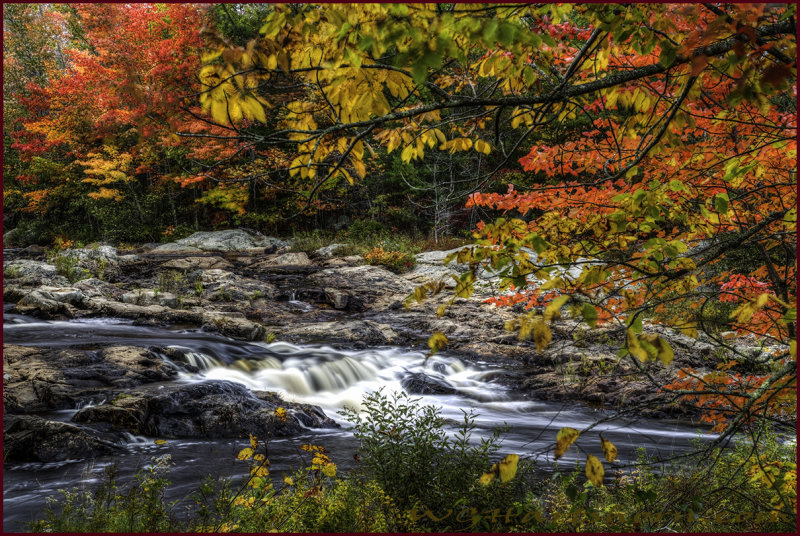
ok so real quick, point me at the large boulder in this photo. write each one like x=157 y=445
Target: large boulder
x=419 y=383
x=221 y=285
x=228 y=240
x=361 y=332
x=28 y=438
x=229 y=325
x=151 y=297
x=209 y=409
x=287 y=259
x=365 y=286
x=49 y=302
x=41 y=379
x=198 y=263
x=28 y=272
x=94 y=287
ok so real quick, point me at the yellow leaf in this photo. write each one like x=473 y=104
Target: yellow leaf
x=259 y=471
x=594 y=470
x=253 y=441
x=609 y=450
x=441 y=310
x=541 y=334
x=551 y=283
x=408 y=152
x=665 y=353
x=436 y=342
x=551 y=312
x=487 y=478
x=289 y=481
x=160 y=442
x=793 y=349
x=361 y=169
x=219 y=111
x=245 y=454
x=761 y=301
x=281 y=414
x=508 y=467
x=635 y=349
x=565 y=437
x=329 y=470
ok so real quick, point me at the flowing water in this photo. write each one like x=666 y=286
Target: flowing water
x=321 y=375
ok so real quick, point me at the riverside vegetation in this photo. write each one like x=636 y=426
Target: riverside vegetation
x=413 y=477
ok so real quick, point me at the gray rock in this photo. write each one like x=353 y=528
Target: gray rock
x=198 y=263
x=328 y=251
x=239 y=328
x=48 y=301
x=363 y=331
x=14 y=238
x=216 y=276
x=337 y=298
x=209 y=409
x=288 y=259
x=419 y=383
x=173 y=247
x=437 y=257
x=368 y=286
x=30 y=272
x=94 y=287
x=28 y=438
x=150 y=297
x=228 y=240
x=43 y=379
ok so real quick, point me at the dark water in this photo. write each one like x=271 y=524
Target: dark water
x=320 y=375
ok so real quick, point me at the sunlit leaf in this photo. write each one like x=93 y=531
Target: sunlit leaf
x=565 y=437
x=594 y=470
x=245 y=454
x=609 y=450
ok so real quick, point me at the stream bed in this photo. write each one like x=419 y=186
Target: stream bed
x=321 y=375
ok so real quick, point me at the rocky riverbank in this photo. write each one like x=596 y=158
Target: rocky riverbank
x=254 y=288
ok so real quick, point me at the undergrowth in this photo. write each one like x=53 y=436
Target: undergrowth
x=415 y=477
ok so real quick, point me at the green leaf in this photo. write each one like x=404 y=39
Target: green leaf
x=721 y=202
x=668 y=54
x=676 y=186
x=636 y=324
x=589 y=313
x=419 y=71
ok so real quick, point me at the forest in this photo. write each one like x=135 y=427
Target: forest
x=340 y=244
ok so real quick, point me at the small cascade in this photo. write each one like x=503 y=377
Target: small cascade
x=333 y=378
x=132 y=439
x=202 y=361
x=303 y=306
x=90 y=403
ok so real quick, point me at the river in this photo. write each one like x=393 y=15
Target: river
x=321 y=375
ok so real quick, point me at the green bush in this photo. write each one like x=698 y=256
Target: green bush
x=406 y=449
x=139 y=508
x=67 y=266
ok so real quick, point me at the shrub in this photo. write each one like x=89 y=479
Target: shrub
x=67 y=265
x=395 y=261
x=140 y=508
x=407 y=451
